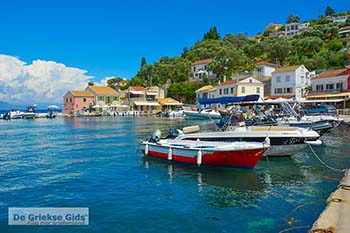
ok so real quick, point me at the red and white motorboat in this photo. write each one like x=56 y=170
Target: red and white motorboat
x=232 y=154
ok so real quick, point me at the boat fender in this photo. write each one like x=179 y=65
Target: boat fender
x=266 y=142
x=170 y=154
x=146 y=149
x=199 y=158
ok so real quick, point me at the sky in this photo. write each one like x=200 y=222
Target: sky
x=50 y=46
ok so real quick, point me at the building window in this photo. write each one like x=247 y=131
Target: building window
x=243 y=89
x=70 y=100
x=288 y=90
x=250 y=80
x=339 y=86
x=232 y=90
x=330 y=86
x=278 y=79
x=258 y=90
x=115 y=97
x=319 y=87
x=66 y=99
x=84 y=100
x=287 y=78
x=278 y=91
x=194 y=69
x=100 y=98
x=220 y=90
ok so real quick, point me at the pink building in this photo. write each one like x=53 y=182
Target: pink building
x=75 y=101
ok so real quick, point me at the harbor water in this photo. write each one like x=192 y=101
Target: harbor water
x=95 y=163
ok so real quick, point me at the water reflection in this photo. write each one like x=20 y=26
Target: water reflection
x=239 y=179
x=220 y=187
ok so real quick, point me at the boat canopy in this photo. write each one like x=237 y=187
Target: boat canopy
x=229 y=99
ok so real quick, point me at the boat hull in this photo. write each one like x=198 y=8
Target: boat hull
x=283 y=142
x=29 y=115
x=239 y=159
x=198 y=115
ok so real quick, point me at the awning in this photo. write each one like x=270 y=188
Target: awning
x=137 y=92
x=345 y=94
x=323 y=101
x=119 y=106
x=151 y=93
x=146 y=103
x=229 y=99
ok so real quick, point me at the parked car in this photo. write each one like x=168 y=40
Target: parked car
x=320 y=109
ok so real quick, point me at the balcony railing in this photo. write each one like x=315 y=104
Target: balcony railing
x=330 y=91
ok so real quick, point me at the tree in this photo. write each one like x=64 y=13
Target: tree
x=277 y=49
x=212 y=34
x=293 y=19
x=335 y=45
x=143 y=61
x=330 y=11
x=113 y=82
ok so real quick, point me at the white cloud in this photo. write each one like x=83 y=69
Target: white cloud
x=39 y=82
x=103 y=82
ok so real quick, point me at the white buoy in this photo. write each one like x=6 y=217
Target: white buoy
x=146 y=149
x=199 y=158
x=170 y=154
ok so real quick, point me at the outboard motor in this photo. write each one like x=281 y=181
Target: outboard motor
x=155 y=136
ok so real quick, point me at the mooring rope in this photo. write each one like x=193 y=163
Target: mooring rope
x=326 y=165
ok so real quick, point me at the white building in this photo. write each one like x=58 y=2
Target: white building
x=338 y=19
x=264 y=68
x=292 y=29
x=344 y=35
x=200 y=70
x=206 y=92
x=290 y=80
x=240 y=87
x=330 y=81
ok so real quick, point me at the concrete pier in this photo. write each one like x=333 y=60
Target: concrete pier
x=336 y=215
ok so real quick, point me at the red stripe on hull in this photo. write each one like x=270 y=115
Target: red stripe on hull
x=242 y=159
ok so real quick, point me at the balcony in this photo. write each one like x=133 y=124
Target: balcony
x=328 y=91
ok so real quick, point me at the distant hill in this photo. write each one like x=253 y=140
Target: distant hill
x=4 y=105
x=9 y=106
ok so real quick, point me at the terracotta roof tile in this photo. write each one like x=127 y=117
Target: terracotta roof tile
x=267 y=64
x=80 y=93
x=103 y=90
x=205 y=88
x=137 y=88
x=331 y=73
x=279 y=96
x=200 y=62
x=234 y=81
x=286 y=69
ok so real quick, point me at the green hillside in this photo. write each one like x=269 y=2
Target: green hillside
x=317 y=48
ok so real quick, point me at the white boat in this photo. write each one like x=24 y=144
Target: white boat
x=178 y=112
x=16 y=114
x=202 y=114
x=284 y=140
x=30 y=113
x=234 y=154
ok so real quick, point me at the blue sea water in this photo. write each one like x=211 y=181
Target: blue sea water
x=94 y=163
